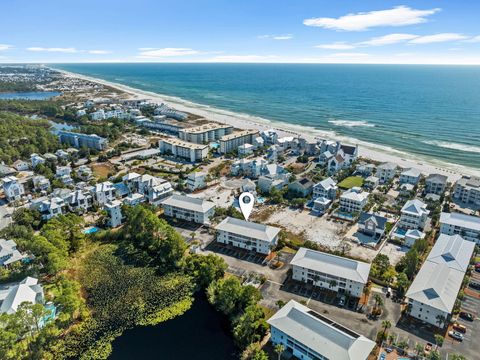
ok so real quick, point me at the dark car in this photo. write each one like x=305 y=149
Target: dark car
x=474 y=285
x=466 y=316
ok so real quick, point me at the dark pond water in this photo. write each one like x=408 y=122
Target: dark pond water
x=201 y=334
x=36 y=95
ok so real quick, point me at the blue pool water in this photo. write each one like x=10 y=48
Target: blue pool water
x=90 y=230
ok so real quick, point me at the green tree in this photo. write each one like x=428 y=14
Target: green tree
x=279 y=349
x=205 y=269
x=438 y=340
x=250 y=327
x=254 y=352
x=402 y=284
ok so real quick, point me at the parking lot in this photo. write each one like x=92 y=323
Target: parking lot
x=239 y=254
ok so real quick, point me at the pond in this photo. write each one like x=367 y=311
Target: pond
x=201 y=333
x=34 y=95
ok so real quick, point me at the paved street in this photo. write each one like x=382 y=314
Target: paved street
x=5 y=215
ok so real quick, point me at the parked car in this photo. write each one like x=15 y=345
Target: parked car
x=456 y=335
x=474 y=285
x=460 y=328
x=341 y=302
x=466 y=316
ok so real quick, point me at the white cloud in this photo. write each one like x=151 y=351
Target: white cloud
x=398 y=16
x=388 y=39
x=53 y=49
x=99 y=52
x=428 y=39
x=4 y=47
x=167 y=52
x=277 y=37
x=474 y=39
x=336 y=46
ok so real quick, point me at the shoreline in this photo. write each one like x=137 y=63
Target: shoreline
x=367 y=150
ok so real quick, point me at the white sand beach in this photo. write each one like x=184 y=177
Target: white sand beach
x=245 y=121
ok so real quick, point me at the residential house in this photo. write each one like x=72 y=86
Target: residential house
x=9 y=253
x=114 y=213
x=302 y=187
x=188 y=208
x=28 y=290
x=79 y=201
x=270 y=136
x=372 y=225
x=467 y=190
x=41 y=183
x=245 y=149
x=353 y=200
x=411 y=237
x=433 y=292
x=104 y=192
x=196 y=180
x=12 y=188
x=326 y=188
x=50 y=207
x=435 y=184
x=410 y=176
x=321 y=205
x=134 y=199
x=84 y=173
x=335 y=273
x=247 y=235
x=63 y=173
x=21 y=165
x=308 y=335
x=386 y=172
x=467 y=226
x=371 y=182
x=414 y=215
x=36 y=160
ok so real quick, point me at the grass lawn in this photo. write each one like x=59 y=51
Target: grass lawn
x=351 y=182
x=101 y=171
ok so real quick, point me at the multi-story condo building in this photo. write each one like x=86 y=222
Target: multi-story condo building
x=414 y=215
x=410 y=176
x=206 y=133
x=433 y=292
x=467 y=226
x=234 y=140
x=308 y=335
x=326 y=188
x=331 y=272
x=435 y=184
x=386 y=172
x=467 y=190
x=188 y=208
x=82 y=140
x=353 y=200
x=183 y=149
x=247 y=235
x=12 y=188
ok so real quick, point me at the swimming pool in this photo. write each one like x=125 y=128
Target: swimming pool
x=90 y=230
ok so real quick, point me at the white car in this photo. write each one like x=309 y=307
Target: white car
x=456 y=335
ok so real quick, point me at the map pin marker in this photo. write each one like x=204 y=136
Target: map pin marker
x=246 y=201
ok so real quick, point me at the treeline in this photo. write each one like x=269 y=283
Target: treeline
x=20 y=137
x=20 y=86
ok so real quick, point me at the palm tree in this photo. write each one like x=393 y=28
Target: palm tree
x=440 y=320
x=418 y=348
x=386 y=324
x=332 y=283
x=438 y=340
x=279 y=349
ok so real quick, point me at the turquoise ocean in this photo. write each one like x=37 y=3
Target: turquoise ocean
x=432 y=112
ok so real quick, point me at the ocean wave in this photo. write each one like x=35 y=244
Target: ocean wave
x=454 y=146
x=351 y=123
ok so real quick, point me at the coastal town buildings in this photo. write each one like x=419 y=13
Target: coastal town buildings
x=188 y=208
x=9 y=253
x=36 y=160
x=386 y=172
x=205 y=134
x=183 y=149
x=28 y=290
x=104 y=192
x=247 y=235
x=232 y=141
x=114 y=213
x=468 y=226
x=196 y=180
x=308 y=335
x=302 y=187
x=433 y=292
x=79 y=140
x=410 y=176
x=372 y=225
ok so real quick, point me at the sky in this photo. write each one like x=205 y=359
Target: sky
x=272 y=31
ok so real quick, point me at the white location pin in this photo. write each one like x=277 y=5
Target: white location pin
x=246 y=201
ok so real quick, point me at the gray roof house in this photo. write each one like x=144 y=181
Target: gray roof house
x=309 y=335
